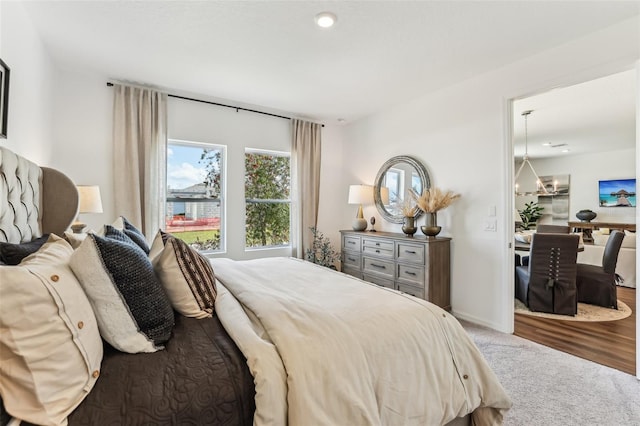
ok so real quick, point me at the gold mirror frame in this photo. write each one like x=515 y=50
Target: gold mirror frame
x=422 y=173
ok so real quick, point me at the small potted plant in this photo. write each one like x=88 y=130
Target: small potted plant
x=322 y=252
x=530 y=214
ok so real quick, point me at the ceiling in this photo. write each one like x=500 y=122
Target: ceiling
x=271 y=54
x=595 y=116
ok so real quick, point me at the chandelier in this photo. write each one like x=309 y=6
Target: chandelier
x=541 y=188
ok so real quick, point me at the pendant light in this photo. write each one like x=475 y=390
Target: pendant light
x=540 y=188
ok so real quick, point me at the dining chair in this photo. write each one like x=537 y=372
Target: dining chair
x=597 y=285
x=548 y=283
x=544 y=229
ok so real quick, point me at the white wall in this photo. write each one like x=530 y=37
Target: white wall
x=585 y=171
x=462 y=134
x=82 y=131
x=30 y=116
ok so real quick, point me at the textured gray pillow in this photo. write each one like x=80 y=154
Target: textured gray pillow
x=132 y=309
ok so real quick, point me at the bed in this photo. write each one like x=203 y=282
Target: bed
x=289 y=342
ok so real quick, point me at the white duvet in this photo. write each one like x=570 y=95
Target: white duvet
x=328 y=349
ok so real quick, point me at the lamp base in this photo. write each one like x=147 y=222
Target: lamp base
x=77 y=227
x=359 y=224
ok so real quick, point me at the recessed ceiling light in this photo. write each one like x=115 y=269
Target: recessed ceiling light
x=326 y=19
x=546 y=144
x=566 y=150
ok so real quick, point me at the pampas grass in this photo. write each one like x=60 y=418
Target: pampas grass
x=433 y=199
x=408 y=208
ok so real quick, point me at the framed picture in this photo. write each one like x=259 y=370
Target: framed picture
x=4 y=98
x=617 y=193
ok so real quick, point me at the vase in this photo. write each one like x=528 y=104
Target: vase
x=431 y=228
x=586 y=215
x=409 y=226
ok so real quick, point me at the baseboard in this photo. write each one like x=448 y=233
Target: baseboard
x=479 y=321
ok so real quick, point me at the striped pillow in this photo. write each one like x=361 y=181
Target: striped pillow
x=185 y=274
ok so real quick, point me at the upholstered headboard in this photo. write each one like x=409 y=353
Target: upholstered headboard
x=34 y=200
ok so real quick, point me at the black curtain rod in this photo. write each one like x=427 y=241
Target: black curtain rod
x=109 y=84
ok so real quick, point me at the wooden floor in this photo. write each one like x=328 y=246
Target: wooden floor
x=611 y=343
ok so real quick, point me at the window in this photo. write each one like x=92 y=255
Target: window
x=194 y=210
x=267 y=188
x=393 y=181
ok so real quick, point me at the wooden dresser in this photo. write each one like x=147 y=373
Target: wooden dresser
x=414 y=265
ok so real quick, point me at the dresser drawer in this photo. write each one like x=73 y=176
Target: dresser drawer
x=354 y=272
x=377 y=243
x=350 y=242
x=378 y=266
x=411 y=274
x=410 y=253
x=351 y=259
x=379 y=281
x=377 y=247
x=412 y=290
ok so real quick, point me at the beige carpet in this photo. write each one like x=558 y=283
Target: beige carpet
x=585 y=312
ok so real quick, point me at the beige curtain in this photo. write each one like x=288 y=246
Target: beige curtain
x=140 y=146
x=305 y=183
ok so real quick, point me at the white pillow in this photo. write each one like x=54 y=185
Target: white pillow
x=523 y=237
x=185 y=274
x=629 y=240
x=50 y=347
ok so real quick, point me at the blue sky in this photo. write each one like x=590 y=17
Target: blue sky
x=183 y=168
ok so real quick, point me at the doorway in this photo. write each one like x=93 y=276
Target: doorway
x=572 y=132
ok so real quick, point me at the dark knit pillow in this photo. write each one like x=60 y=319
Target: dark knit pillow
x=186 y=275
x=12 y=254
x=132 y=309
x=135 y=234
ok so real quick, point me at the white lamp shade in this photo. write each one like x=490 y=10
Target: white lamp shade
x=384 y=195
x=90 y=201
x=360 y=194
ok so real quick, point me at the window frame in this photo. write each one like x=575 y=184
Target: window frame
x=222 y=199
x=274 y=153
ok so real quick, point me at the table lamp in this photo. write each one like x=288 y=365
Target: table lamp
x=90 y=202
x=360 y=194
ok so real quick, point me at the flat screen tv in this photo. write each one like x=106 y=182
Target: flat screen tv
x=617 y=193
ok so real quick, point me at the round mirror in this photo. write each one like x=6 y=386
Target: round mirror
x=396 y=176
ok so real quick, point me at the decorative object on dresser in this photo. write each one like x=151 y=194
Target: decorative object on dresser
x=90 y=202
x=394 y=180
x=430 y=202
x=415 y=265
x=409 y=211
x=586 y=215
x=360 y=194
x=4 y=98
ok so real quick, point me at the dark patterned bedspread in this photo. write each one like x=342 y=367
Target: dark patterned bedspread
x=201 y=378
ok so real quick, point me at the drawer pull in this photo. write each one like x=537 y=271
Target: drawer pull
x=377 y=244
x=377 y=251
x=351 y=242
x=378 y=266
x=410 y=251
x=410 y=273
x=351 y=259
